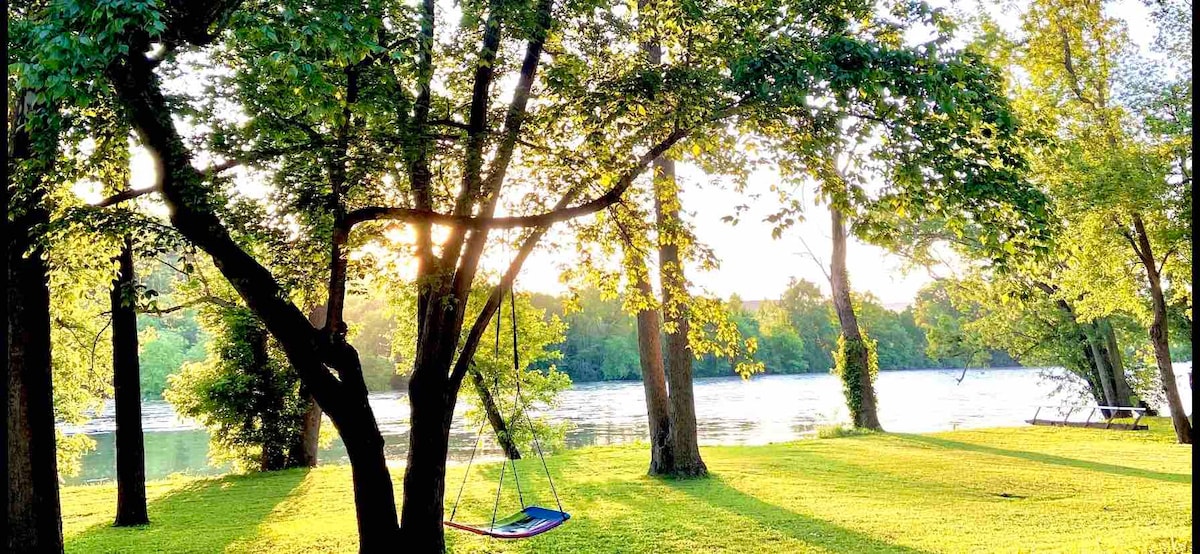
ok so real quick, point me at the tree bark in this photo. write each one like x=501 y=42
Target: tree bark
x=310 y=432
x=1158 y=335
x=1103 y=371
x=374 y=498
x=495 y=418
x=34 y=519
x=684 y=442
x=310 y=427
x=428 y=445
x=127 y=395
x=1115 y=361
x=654 y=381
x=856 y=356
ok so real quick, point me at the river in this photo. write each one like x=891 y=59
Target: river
x=761 y=410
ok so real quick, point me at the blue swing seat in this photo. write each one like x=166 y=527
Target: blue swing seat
x=529 y=522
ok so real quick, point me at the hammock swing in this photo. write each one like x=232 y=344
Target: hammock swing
x=531 y=520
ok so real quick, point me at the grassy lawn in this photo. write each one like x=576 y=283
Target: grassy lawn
x=1031 y=489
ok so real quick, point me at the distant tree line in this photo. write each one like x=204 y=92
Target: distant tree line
x=795 y=333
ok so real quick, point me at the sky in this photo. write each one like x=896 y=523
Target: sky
x=752 y=264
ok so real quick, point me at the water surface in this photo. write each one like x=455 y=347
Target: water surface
x=765 y=409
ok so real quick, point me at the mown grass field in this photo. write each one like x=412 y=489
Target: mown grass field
x=1031 y=489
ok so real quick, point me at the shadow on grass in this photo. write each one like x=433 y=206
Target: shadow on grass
x=205 y=516
x=816 y=532
x=1051 y=459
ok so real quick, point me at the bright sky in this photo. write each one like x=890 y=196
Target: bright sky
x=753 y=265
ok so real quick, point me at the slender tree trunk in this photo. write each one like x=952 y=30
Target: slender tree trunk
x=1103 y=372
x=1158 y=335
x=684 y=442
x=310 y=432
x=1090 y=374
x=127 y=395
x=268 y=403
x=1120 y=380
x=310 y=426
x=495 y=418
x=34 y=520
x=654 y=381
x=857 y=355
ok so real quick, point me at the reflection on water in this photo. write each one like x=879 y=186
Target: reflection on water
x=770 y=408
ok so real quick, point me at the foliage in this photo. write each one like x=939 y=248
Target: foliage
x=165 y=348
x=372 y=327
x=840 y=431
x=1033 y=488
x=600 y=342
x=244 y=392
x=847 y=367
x=533 y=385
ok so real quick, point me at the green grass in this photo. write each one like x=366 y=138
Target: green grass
x=1031 y=489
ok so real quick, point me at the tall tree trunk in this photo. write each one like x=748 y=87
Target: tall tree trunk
x=428 y=445
x=34 y=520
x=654 y=381
x=1158 y=335
x=495 y=418
x=374 y=498
x=127 y=395
x=857 y=379
x=1090 y=374
x=268 y=404
x=684 y=442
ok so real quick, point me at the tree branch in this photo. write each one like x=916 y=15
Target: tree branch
x=471 y=344
x=601 y=202
x=207 y=299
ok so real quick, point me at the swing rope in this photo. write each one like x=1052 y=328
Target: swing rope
x=517 y=370
x=517 y=413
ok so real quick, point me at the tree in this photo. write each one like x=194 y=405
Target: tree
x=811 y=315
x=34 y=523
x=1123 y=175
x=127 y=395
x=244 y=392
x=855 y=360
x=445 y=280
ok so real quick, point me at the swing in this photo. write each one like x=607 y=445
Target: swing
x=531 y=520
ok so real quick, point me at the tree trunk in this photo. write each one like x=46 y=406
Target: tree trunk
x=495 y=418
x=684 y=443
x=310 y=351
x=374 y=498
x=654 y=381
x=1159 y=338
x=310 y=426
x=34 y=520
x=858 y=378
x=425 y=474
x=127 y=395
x=310 y=432
x=1103 y=372
x=1120 y=380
